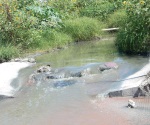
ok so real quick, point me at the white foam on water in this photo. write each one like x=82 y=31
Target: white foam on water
x=137 y=81
x=9 y=71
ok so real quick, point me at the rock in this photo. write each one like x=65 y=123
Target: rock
x=31 y=60
x=103 y=67
x=17 y=60
x=107 y=66
x=64 y=83
x=134 y=91
x=131 y=104
x=24 y=60
x=44 y=69
x=47 y=73
x=5 y=97
x=111 y=65
x=51 y=77
x=76 y=74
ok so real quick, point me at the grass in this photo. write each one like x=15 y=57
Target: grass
x=130 y=43
x=117 y=19
x=79 y=29
x=98 y=9
x=43 y=40
x=55 y=38
x=83 y=28
x=8 y=52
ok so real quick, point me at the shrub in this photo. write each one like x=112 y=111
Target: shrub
x=19 y=17
x=117 y=19
x=67 y=8
x=8 y=52
x=82 y=28
x=134 y=38
x=98 y=10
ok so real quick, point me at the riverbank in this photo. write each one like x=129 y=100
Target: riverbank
x=48 y=39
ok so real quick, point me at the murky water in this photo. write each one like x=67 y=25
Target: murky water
x=72 y=105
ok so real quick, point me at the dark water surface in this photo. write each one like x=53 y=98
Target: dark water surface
x=43 y=104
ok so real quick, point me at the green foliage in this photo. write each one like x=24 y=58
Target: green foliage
x=47 y=39
x=8 y=52
x=17 y=20
x=82 y=28
x=46 y=16
x=117 y=19
x=134 y=38
x=54 y=38
x=24 y=3
x=99 y=9
x=31 y=24
x=67 y=8
x=117 y=3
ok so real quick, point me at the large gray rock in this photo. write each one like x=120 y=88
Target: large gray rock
x=107 y=66
x=5 y=97
x=49 y=73
x=135 y=92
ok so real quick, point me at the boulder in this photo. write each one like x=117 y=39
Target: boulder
x=5 y=97
x=131 y=104
x=44 y=69
x=107 y=66
x=134 y=92
x=31 y=60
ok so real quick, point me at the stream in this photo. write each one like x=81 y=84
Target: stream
x=42 y=103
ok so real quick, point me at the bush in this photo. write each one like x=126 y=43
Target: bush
x=117 y=19
x=134 y=38
x=67 y=8
x=8 y=52
x=19 y=17
x=82 y=28
x=98 y=10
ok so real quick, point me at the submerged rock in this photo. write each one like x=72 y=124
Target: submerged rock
x=44 y=69
x=64 y=83
x=46 y=72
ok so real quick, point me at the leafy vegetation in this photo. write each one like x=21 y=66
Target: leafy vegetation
x=36 y=24
x=98 y=10
x=134 y=38
x=8 y=52
x=117 y=19
x=83 y=28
